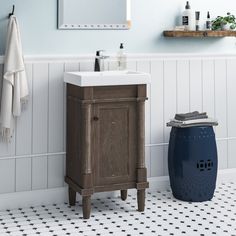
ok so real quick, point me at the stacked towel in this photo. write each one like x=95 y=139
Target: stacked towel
x=192 y=119
x=191 y=116
x=15 y=88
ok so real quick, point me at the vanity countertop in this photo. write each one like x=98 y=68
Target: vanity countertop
x=106 y=78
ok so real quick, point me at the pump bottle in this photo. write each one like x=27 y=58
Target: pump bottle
x=121 y=58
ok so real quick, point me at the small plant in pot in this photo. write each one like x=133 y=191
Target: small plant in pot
x=224 y=22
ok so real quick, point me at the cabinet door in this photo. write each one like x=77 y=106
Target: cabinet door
x=115 y=143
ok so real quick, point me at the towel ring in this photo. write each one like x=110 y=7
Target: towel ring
x=13 y=11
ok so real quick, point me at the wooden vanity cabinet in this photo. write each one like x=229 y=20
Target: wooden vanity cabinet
x=105 y=142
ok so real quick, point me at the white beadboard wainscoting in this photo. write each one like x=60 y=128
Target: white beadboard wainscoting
x=35 y=159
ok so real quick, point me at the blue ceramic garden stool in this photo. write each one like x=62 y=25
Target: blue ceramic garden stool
x=192 y=163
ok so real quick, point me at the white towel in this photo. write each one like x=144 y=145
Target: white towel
x=15 y=87
x=196 y=121
x=192 y=123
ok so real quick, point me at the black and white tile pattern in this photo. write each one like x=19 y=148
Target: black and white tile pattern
x=164 y=215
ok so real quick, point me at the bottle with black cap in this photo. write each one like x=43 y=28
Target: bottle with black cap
x=208 y=21
x=187 y=17
x=121 y=58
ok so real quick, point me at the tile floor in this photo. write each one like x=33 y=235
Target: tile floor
x=163 y=216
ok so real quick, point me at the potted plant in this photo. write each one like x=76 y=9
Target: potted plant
x=227 y=22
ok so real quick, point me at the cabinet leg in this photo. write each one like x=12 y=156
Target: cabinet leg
x=72 y=197
x=141 y=200
x=86 y=207
x=123 y=194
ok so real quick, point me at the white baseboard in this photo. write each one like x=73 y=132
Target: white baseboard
x=60 y=195
x=226 y=175
x=32 y=198
x=159 y=183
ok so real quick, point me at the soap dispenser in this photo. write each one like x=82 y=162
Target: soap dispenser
x=121 y=58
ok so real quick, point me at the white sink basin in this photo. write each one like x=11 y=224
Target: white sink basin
x=106 y=78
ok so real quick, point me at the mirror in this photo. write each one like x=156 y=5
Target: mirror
x=94 y=14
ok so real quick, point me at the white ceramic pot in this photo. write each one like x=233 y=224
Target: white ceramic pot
x=226 y=27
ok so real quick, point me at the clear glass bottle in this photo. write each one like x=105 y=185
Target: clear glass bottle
x=121 y=58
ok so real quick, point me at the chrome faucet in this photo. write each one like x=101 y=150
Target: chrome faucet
x=99 y=61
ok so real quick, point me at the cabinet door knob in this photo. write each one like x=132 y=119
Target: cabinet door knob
x=95 y=118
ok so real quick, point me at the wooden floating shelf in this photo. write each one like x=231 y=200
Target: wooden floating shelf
x=199 y=34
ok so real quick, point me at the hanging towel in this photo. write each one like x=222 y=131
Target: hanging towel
x=15 y=87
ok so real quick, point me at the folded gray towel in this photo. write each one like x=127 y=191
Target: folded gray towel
x=191 y=116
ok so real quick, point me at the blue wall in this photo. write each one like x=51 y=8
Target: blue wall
x=38 y=19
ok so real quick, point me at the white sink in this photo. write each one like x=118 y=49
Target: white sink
x=106 y=78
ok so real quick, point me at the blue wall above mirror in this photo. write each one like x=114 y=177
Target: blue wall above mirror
x=40 y=34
